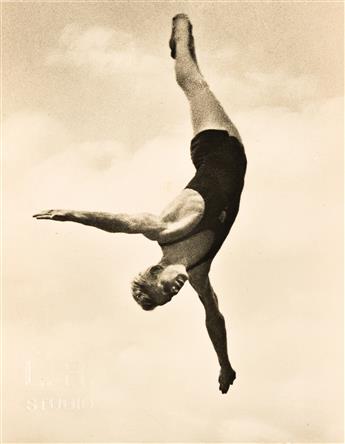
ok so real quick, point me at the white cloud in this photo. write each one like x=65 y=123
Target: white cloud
x=30 y=137
x=250 y=88
x=280 y=86
x=101 y=50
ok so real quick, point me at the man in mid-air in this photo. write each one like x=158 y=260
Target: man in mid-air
x=192 y=228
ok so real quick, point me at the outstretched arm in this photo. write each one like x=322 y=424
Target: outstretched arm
x=148 y=224
x=215 y=325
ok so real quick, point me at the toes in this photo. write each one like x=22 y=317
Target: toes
x=181 y=16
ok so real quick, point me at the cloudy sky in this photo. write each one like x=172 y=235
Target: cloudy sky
x=93 y=120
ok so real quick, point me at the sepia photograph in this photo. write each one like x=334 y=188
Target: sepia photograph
x=172 y=218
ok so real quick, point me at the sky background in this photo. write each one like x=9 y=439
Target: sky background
x=93 y=120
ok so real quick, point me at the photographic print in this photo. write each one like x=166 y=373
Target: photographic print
x=172 y=224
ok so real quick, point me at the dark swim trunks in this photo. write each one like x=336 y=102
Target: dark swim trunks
x=220 y=163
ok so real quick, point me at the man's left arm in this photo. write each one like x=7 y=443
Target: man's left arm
x=215 y=324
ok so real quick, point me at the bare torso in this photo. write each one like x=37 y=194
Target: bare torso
x=184 y=213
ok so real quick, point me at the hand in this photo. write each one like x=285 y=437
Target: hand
x=226 y=377
x=60 y=215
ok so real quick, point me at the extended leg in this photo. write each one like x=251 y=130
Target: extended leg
x=206 y=111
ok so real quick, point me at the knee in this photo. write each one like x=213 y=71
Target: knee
x=183 y=78
x=190 y=80
x=192 y=88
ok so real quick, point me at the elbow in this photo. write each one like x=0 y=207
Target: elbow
x=215 y=322
x=153 y=227
x=214 y=315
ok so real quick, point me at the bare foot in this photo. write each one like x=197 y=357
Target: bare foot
x=182 y=32
x=226 y=378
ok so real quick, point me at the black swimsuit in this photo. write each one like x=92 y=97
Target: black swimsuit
x=220 y=163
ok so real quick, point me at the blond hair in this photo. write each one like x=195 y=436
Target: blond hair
x=144 y=289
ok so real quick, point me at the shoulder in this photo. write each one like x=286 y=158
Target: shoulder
x=181 y=215
x=188 y=200
x=199 y=277
x=200 y=281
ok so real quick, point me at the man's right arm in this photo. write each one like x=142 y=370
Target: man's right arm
x=145 y=223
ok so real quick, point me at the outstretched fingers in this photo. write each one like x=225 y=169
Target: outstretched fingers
x=46 y=214
x=51 y=215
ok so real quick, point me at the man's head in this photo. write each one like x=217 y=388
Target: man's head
x=158 y=284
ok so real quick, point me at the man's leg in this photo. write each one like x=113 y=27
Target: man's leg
x=206 y=111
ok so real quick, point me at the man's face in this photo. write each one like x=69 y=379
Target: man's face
x=170 y=280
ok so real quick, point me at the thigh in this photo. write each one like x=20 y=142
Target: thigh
x=208 y=113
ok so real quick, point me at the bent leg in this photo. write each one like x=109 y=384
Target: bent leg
x=206 y=111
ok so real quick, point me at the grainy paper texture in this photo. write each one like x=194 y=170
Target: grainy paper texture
x=93 y=120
